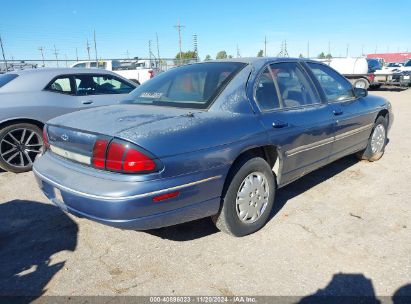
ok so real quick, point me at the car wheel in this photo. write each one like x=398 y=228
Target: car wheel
x=248 y=198
x=361 y=83
x=19 y=146
x=376 y=142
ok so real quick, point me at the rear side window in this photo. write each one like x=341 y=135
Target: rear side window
x=61 y=85
x=190 y=86
x=265 y=91
x=87 y=84
x=334 y=85
x=79 y=65
x=6 y=78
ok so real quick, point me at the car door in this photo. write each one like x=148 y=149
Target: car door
x=352 y=119
x=95 y=90
x=296 y=119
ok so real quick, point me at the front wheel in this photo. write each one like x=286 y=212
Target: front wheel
x=19 y=146
x=248 y=199
x=377 y=141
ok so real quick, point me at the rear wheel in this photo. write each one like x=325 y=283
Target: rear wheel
x=361 y=83
x=376 y=142
x=19 y=146
x=248 y=199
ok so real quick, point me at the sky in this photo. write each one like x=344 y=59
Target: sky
x=124 y=28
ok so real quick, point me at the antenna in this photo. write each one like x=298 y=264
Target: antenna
x=88 y=50
x=2 y=50
x=56 y=53
x=195 y=46
x=95 y=47
x=41 y=49
x=179 y=27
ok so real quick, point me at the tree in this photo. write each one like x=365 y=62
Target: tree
x=185 y=57
x=230 y=56
x=321 y=56
x=329 y=56
x=221 y=55
x=260 y=53
x=301 y=56
x=207 y=58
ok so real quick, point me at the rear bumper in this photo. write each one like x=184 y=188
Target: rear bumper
x=129 y=204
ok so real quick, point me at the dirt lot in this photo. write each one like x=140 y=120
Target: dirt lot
x=344 y=229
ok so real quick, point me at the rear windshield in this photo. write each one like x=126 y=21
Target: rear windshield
x=6 y=78
x=190 y=86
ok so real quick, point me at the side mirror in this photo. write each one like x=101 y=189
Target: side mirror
x=359 y=92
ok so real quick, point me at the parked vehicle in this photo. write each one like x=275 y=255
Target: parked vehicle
x=138 y=71
x=28 y=98
x=392 y=66
x=209 y=139
x=357 y=70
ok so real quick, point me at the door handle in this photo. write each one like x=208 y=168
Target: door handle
x=279 y=124
x=338 y=112
x=87 y=102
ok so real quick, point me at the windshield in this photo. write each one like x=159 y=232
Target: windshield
x=190 y=86
x=6 y=78
x=408 y=63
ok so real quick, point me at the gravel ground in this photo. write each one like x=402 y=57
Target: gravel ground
x=344 y=229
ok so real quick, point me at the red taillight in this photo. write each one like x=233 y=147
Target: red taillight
x=99 y=153
x=151 y=72
x=115 y=156
x=45 y=139
x=371 y=78
x=121 y=157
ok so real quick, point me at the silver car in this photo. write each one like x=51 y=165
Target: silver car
x=29 y=98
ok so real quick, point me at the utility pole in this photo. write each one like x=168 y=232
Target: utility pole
x=56 y=54
x=2 y=51
x=65 y=56
x=348 y=48
x=158 y=53
x=195 y=46
x=179 y=27
x=95 y=47
x=76 y=54
x=41 y=49
x=238 y=52
x=265 y=46
x=149 y=51
x=88 y=50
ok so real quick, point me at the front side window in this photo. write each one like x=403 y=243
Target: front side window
x=61 y=85
x=334 y=85
x=88 y=84
x=190 y=86
x=6 y=78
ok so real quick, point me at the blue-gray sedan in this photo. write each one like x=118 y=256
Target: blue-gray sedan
x=28 y=98
x=210 y=139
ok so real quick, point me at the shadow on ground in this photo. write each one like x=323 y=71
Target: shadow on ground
x=347 y=288
x=30 y=233
x=389 y=89
x=204 y=227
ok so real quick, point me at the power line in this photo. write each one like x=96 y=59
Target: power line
x=179 y=27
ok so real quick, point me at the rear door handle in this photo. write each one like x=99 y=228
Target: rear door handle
x=279 y=124
x=87 y=102
x=338 y=112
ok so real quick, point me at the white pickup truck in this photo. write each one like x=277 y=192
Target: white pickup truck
x=138 y=71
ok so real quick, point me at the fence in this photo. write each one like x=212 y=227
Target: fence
x=161 y=65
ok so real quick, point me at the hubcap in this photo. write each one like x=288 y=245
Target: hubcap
x=19 y=147
x=378 y=139
x=252 y=197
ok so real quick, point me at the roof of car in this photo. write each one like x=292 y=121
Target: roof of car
x=60 y=71
x=256 y=60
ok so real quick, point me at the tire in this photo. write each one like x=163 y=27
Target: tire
x=361 y=83
x=19 y=145
x=377 y=139
x=228 y=219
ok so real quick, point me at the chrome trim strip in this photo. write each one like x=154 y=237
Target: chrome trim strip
x=328 y=140
x=71 y=155
x=353 y=132
x=110 y=198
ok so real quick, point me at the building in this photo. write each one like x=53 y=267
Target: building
x=391 y=57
